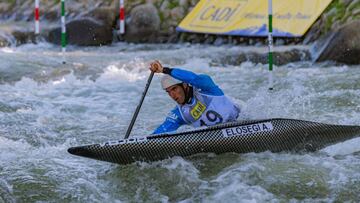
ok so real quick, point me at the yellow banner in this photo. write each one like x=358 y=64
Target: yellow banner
x=291 y=18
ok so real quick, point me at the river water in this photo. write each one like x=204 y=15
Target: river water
x=47 y=107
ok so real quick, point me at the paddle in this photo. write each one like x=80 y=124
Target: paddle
x=139 y=105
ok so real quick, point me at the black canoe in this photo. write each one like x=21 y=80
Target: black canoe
x=241 y=137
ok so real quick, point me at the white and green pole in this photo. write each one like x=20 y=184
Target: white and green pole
x=270 y=40
x=63 y=30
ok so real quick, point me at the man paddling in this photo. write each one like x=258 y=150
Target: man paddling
x=200 y=102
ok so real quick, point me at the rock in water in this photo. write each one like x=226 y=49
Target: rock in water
x=143 y=24
x=83 y=32
x=342 y=45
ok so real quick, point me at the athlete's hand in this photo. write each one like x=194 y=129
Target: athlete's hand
x=156 y=67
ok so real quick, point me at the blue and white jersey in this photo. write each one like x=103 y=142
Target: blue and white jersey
x=208 y=110
x=209 y=105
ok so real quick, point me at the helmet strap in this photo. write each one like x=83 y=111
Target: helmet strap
x=188 y=91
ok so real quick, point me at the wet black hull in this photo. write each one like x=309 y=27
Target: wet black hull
x=241 y=137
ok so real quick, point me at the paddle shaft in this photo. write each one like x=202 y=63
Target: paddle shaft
x=139 y=106
x=270 y=43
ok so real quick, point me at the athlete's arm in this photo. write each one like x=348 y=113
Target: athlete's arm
x=172 y=122
x=201 y=81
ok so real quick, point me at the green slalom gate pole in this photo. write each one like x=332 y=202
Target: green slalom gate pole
x=63 y=31
x=270 y=41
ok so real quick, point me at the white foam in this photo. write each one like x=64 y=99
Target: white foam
x=113 y=72
x=344 y=148
x=231 y=185
x=8 y=50
x=11 y=150
x=57 y=82
x=131 y=71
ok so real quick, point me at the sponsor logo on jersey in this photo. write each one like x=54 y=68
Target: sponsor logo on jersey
x=247 y=129
x=172 y=116
x=198 y=109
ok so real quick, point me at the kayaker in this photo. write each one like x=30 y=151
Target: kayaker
x=200 y=102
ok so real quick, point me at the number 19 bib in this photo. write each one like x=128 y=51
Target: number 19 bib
x=207 y=110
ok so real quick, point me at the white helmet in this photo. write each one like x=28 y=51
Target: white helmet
x=168 y=81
